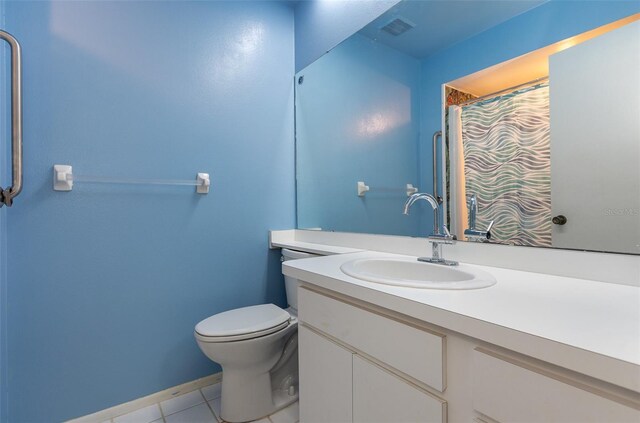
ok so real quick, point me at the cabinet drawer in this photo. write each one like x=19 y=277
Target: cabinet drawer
x=506 y=391
x=414 y=351
x=381 y=397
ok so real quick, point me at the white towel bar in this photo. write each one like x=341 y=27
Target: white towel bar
x=63 y=179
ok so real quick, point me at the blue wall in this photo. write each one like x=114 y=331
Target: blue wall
x=107 y=282
x=537 y=28
x=3 y=308
x=357 y=119
x=5 y=175
x=323 y=24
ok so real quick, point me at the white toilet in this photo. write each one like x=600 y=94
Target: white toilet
x=257 y=347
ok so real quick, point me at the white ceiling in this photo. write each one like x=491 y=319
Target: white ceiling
x=441 y=23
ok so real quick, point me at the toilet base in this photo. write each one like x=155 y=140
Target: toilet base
x=282 y=399
x=255 y=405
x=248 y=396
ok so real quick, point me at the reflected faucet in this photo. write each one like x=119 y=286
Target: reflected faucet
x=436 y=238
x=472 y=233
x=473 y=206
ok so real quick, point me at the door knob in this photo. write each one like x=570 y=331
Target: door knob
x=559 y=220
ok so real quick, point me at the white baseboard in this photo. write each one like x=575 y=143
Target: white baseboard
x=136 y=404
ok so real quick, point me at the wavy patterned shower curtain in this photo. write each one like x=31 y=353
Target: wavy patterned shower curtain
x=507 y=164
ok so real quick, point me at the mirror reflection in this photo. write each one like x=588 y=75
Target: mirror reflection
x=509 y=112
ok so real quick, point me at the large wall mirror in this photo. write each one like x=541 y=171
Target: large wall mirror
x=521 y=113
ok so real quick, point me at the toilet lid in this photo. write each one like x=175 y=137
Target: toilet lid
x=243 y=321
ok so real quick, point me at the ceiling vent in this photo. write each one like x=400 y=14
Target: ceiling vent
x=398 y=26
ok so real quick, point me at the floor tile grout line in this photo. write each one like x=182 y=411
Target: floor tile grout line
x=193 y=406
x=161 y=412
x=218 y=419
x=215 y=416
x=204 y=399
x=202 y=395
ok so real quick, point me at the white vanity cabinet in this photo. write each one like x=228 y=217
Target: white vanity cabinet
x=408 y=348
x=338 y=386
x=349 y=359
x=508 y=389
x=366 y=364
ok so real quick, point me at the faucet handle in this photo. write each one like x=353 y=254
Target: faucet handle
x=488 y=230
x=477 y=235
x=490 y=226
x=448 y=234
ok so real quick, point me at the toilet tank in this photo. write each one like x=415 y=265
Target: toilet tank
x=291 y=284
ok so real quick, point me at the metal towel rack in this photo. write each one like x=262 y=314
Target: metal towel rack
x=8 y=194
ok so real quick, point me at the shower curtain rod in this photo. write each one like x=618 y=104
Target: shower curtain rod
x=510 y=89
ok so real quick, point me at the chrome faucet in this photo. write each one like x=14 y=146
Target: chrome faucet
x=436 y=238
x=472 y=233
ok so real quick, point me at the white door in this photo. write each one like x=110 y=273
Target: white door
x=595 y=142
x=325 y=379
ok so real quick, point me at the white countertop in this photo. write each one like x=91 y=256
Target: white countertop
x=310 y=247
x=586 y=326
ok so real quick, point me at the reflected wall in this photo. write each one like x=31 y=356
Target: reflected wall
x=357 y=119
x=507 y=34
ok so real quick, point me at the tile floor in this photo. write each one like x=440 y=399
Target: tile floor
x=201 y=406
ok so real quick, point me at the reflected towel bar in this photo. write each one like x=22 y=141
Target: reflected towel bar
x=363 y=188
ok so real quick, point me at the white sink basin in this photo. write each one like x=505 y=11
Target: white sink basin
x=416 y=274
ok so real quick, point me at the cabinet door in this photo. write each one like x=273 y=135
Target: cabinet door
x=380 y=396
x=325 y=379
x=508 y=392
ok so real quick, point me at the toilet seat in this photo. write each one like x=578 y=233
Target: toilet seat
x=243 y=323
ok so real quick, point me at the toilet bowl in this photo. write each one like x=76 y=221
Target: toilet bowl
x=257 y=347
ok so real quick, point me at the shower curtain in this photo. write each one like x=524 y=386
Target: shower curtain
x=506 y=162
